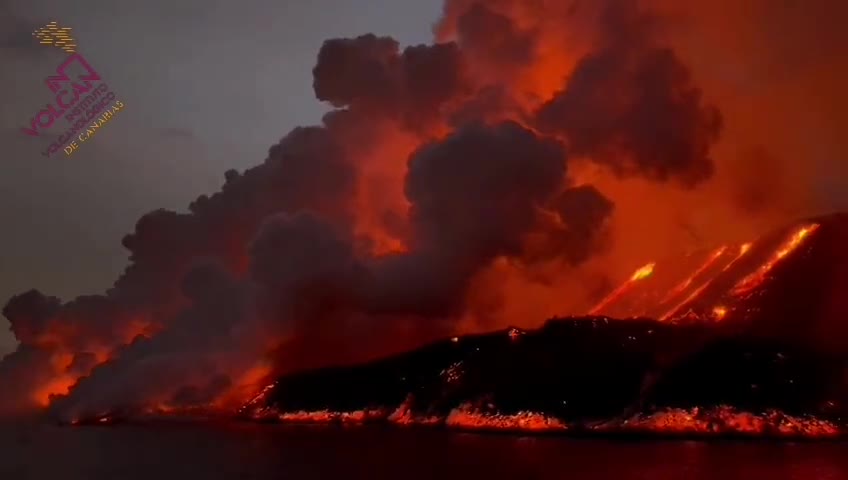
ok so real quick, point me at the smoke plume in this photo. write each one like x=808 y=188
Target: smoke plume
x=632 y=105
x=493 y=177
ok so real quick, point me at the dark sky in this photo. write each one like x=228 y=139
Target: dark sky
x=208 y=85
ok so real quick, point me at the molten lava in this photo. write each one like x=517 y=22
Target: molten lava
x=712 y=290
x=719 y=313
x=643 y=272
x=686 y=283
x=752 y=281
x=466 y=417
x=724 y=420
x=640 y=274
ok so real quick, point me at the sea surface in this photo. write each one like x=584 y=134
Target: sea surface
x=213 y=451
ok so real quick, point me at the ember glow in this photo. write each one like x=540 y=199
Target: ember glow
x=697 y=422
x=726 y=420
x=466 y=417
x=355 y=417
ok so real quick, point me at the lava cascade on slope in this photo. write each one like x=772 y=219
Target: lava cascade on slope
x=770 y=283
x=742 y=340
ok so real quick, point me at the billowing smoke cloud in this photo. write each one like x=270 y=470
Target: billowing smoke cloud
x=632 y=105
x=306 y=170
x=196 y=347
x=287 y=267
x=476 y=196
x=371 y=74
x=494 y=39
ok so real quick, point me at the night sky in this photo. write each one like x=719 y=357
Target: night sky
x=208 y=85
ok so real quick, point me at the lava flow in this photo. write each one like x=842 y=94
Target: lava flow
x=714 y=288
x=719 y=371
x=640 y=274
x=752 y=281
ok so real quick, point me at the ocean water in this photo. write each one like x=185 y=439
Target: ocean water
x=213 y=451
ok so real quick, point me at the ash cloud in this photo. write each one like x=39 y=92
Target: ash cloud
x=474 y=196
x=306 y=170
x=495 y=38
x=372 y=74
x=585 y=212
x=272 y=267
x=186 y=359
x=632 y=105
x=475 y=192
x=29 y=314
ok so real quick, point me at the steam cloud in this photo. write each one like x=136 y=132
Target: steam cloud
x=280 y=269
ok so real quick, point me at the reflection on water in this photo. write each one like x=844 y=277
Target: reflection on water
x=249 y=451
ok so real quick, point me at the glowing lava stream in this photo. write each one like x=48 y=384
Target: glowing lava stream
x=686 y=283
x=687 y=300
x=752 y=281
x=743 y=249
x=640 y=274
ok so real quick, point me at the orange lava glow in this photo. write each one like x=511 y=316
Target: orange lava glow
x=379 y=192
x=687 y=283
x=752 y=281
x=59 y=385
x=65 y=341
x=466 y=418
x=743 y=250
x=680 y=288
x=643 y=272
x=259 y=398
x=404 y=416
x=722 y=420
x=671 y=313
x=514 y=334
x=243 y=391
x=640 y=274
x=719 y=313
x=725 y=420
x=326 y=416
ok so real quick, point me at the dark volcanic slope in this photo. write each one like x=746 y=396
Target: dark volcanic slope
x=751 y=343
x=542 y=370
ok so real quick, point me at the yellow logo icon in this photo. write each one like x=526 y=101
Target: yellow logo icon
x=54 y=35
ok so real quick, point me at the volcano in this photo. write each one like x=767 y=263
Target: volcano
x=743 y=339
